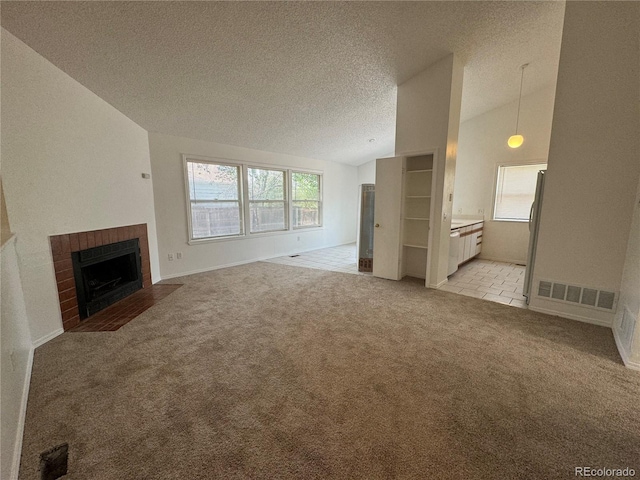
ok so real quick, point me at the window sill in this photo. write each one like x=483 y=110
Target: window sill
x=505 y=220
x=252 y=236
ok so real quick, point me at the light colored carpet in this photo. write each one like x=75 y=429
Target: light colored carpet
x=271 y=371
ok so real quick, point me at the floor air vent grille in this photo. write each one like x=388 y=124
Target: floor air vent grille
x=587 y=297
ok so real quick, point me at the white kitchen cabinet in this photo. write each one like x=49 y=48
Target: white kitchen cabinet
x=470 y=243
x=467 y=242
x=403 y=212
x=479 y=242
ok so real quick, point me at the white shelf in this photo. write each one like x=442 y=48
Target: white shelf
x=418 y=196
x=421 y=219
x=415 y=246
x=420 y=171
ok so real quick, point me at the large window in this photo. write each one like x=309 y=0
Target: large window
x=233 y=199
x=215 y=200
x=267 y=200
x=306 y=199
x=515 y=191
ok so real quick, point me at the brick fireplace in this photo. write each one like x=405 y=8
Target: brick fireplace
x=62 y=247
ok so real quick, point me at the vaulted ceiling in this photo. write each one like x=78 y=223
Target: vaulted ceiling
x=315 y=79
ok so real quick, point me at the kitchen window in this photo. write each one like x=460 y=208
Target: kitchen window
x=229 y=199
x=515 y=191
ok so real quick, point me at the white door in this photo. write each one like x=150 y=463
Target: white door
x=387 y=221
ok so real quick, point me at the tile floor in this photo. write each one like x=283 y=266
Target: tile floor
x=335 y=259
x=122 y=312
x=495 y=281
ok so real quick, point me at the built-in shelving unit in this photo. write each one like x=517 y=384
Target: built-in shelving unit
x=416 y=213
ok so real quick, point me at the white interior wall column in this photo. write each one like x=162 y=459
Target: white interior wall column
x=593 y=166
x=428 y=120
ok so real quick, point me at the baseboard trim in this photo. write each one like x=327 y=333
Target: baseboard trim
x=47 y=337
x=438 y=285
x=624 y=355
x=571 y=316
x=17 y=451
x=244 y=262
x=492 y=259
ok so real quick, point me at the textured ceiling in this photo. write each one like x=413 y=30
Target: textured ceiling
x=316 y=79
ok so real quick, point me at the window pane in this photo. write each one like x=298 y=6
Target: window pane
x=215 y=196
x=305 y=186
x=209 y=181
x=215 y=219
x=305 y=194
x=266 y=184
x=306 y=213
x=515 y=191
x=267 y=200
x=267 y=216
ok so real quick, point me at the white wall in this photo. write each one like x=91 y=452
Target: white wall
x=340 y=185
x=594 y=154
x=630 y=294
x=367 y=172
x=482 y=146
x=428 y=117
x=71 y=162
x=15 y=360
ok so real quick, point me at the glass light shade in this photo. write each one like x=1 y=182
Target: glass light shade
x=515 y=141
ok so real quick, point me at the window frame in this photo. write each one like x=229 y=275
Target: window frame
x=244 y=198
x=285 y=201
x=495 y=187
x=240 y=181
x=320 y=194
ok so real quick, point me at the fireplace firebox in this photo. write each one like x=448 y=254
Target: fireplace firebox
x=106 y=274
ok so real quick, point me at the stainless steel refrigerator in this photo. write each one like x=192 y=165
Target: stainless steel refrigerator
x=534 y=225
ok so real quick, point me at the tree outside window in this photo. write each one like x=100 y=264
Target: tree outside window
x=306 y=199
x=267 y=200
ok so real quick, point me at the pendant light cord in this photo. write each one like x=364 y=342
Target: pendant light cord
x=520 y=96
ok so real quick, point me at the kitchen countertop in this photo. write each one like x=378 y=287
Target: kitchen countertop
x=460 y=223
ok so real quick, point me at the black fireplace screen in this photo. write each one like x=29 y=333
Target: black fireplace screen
x=106 y=274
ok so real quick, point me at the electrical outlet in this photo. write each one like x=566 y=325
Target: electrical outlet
x=170 y=257
x=481 y=211
x=179 y=255
x=460 y=211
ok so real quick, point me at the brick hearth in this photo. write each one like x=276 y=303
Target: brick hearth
x=63 y=245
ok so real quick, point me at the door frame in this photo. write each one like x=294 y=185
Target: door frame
x=434 y=176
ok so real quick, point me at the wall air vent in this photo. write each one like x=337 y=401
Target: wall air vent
x=544 y=289
x=558 y=291
x=606 y=300
x=577 y=294
x=589 y=297
x=573 y=294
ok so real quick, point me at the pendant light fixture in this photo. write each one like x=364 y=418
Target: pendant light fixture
x=516 y=140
